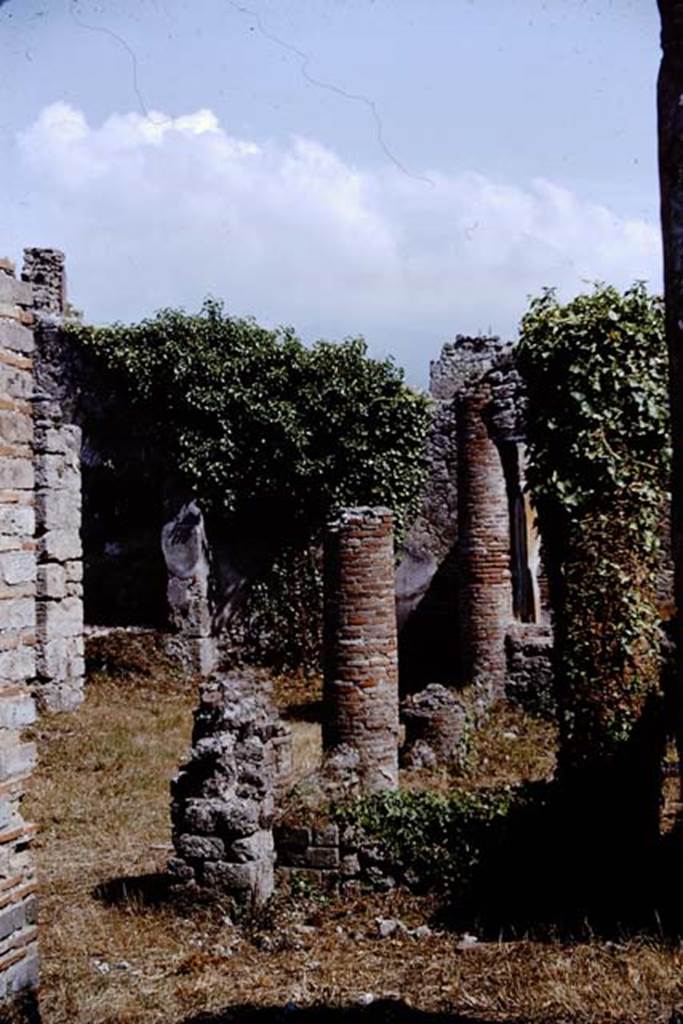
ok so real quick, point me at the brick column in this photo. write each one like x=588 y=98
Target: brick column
x=360 y=656
x=60 y=663
x=485 y=598
x=18 y=933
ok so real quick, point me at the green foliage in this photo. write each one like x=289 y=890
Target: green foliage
x=272 y=436
x=281 y=625
x=432 y=840
x=260 y=425
x=599 y=462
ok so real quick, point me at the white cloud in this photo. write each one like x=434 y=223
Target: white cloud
x=157 y=211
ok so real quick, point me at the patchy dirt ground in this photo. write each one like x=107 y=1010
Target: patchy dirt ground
x=114 y=952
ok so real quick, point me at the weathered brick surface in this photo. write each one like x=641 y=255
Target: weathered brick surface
x=57 y=445
x=18 y=935
x=485 y=583
x=360 y=654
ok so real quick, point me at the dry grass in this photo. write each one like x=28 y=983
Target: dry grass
x=101 y=798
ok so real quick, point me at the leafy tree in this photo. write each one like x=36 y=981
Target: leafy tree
x=257 y=422
x=271 y=435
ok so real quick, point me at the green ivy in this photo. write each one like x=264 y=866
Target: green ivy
x=429 y=839
x=254 y=419
x=271 y=435
x=599 y=460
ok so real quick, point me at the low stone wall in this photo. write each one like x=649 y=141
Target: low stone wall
x=223 y=799
x=330 y=857
x=529 y=680
x=360 y=645
x=18 y=573
x=437 y=726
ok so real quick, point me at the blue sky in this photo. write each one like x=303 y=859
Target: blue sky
x=406 y=170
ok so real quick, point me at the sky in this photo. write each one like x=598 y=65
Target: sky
x=402 y=169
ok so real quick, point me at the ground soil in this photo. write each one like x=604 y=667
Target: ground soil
x=115 y=951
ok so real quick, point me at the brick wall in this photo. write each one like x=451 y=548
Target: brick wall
x=360 y=645
x=18 y=573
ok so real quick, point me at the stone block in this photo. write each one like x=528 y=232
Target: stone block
x=14 y=381
x=16 y=758
x=23 y=974
x=15 y=337
x=60 y=695
x=18 y=613
x=16 y=474
x=230 y=877
x=258 y=846
x=74 y=571
x=238 y=818
x=60 y=659
x=51 y=580
x=15 y=427
x=59 y=619
x=60 y=545
x=55 y=471
x=17 y=521
x=17 y=665
x=200 y=847
x=12 y=290
x=201 y=816
x=17 y=567
x=16 y=711
x=323 y=857
x=59 y=509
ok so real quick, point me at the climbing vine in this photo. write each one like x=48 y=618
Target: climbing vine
x=599 y=461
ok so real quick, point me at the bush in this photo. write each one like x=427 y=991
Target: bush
x=431 y=840
x=261 y=427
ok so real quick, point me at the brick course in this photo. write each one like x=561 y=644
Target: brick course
x=360 y=645
x=18 y=571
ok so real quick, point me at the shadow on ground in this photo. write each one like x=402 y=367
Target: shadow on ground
x=381 y=1012
x=142 y=890
x=310 y=711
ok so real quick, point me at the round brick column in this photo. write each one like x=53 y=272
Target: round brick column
x=361 y=659
x=485 y=585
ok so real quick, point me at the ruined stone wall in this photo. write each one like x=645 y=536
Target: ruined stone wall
x=223 y=799
x=18 y=666
x=185 y=548
x=360 y=648
x=426 y=577
x=60 y=656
